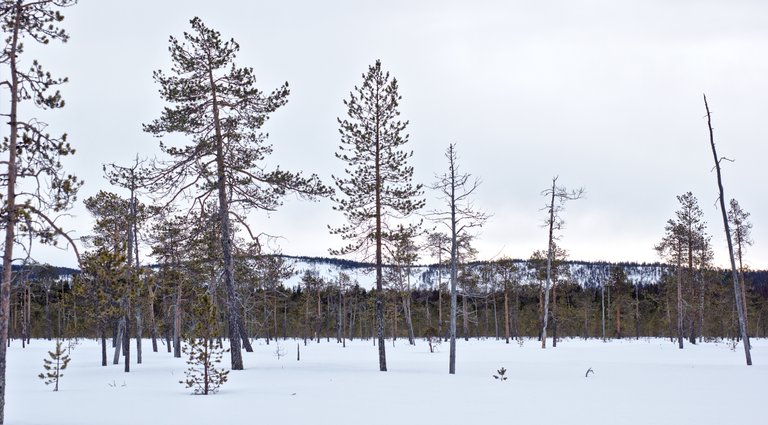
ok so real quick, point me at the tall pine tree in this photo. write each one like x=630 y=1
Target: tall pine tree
x=377 y=188
x=217 y=105
x=32 y=155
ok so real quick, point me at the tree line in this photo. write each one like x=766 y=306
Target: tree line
x=500 y=299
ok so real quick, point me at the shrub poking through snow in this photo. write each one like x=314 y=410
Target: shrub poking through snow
x=279 y=351
x=204 y=352
x=54 y=366
x=500 y=375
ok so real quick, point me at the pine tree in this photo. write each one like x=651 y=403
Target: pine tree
x=378 y=182
x=204 y=351
x=32 y=154
x=217 y=105
x=742 y=238
x=99 y=289
x=685 y=235
x=54 y=366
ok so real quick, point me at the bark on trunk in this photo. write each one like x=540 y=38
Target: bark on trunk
x=10 y=212
x=506 y=312
x=740 y=308
x=177 y=323
x=379 y=259
x=454 y=267
x=118 y=342
x=408 y=319
x=679 y=305
x=103 y=347
x=550 y=255
x=233 y=311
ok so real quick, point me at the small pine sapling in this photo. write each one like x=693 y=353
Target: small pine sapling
x=204 y=352
x=58 y=362
x=500 y=375
x=279 y=351
x=432 y=339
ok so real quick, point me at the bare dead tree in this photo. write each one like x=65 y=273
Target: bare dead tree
x=456 y=190
x=558 y=196
x=726 y=226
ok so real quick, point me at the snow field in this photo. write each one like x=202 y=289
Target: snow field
x=635 y=382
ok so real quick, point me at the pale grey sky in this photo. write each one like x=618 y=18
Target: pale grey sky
x=605 y=94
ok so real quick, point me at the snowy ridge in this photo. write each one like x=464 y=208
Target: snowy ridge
x=425 y=277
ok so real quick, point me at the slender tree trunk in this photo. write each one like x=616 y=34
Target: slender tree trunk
x=454 y=266
x=233 y=311
x=379 y=259
x=734 y=275
x=177 y=323
x=554 y=316
x=47 y=312
x=701 y=307
x=127 y=337
x=506 y=312
x=103 y=335
x=679 y=304
x=439 y=296
x=496 y=321
x=637 y=311
x=23 y=306
x=152 y=324
x=465 y=314
x=602 y=307
x=119 y=341
x=244 y=334
x=10 y=215
x=550 y=255
x=408 y=319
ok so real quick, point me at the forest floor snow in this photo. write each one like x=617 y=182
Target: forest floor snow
x=646 y=381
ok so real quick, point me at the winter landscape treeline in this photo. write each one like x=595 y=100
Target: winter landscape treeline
x=331 y=299
x=173 y=257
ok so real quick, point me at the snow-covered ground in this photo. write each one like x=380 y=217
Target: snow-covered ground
x=647 y=382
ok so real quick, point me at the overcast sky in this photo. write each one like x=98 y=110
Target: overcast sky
x=605 y=94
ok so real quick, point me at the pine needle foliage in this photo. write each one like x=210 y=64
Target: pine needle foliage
x=54 y=366
x=378 y=184
x=204 y=352
x=216 y=106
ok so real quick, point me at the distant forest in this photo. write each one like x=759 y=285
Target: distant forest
x=500 y=299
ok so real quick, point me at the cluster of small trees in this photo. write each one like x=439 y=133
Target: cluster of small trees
x=499 y=299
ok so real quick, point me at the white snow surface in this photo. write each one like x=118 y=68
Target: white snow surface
x=647 y=381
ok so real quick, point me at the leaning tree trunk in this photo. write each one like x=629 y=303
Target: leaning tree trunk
x=734 y=274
